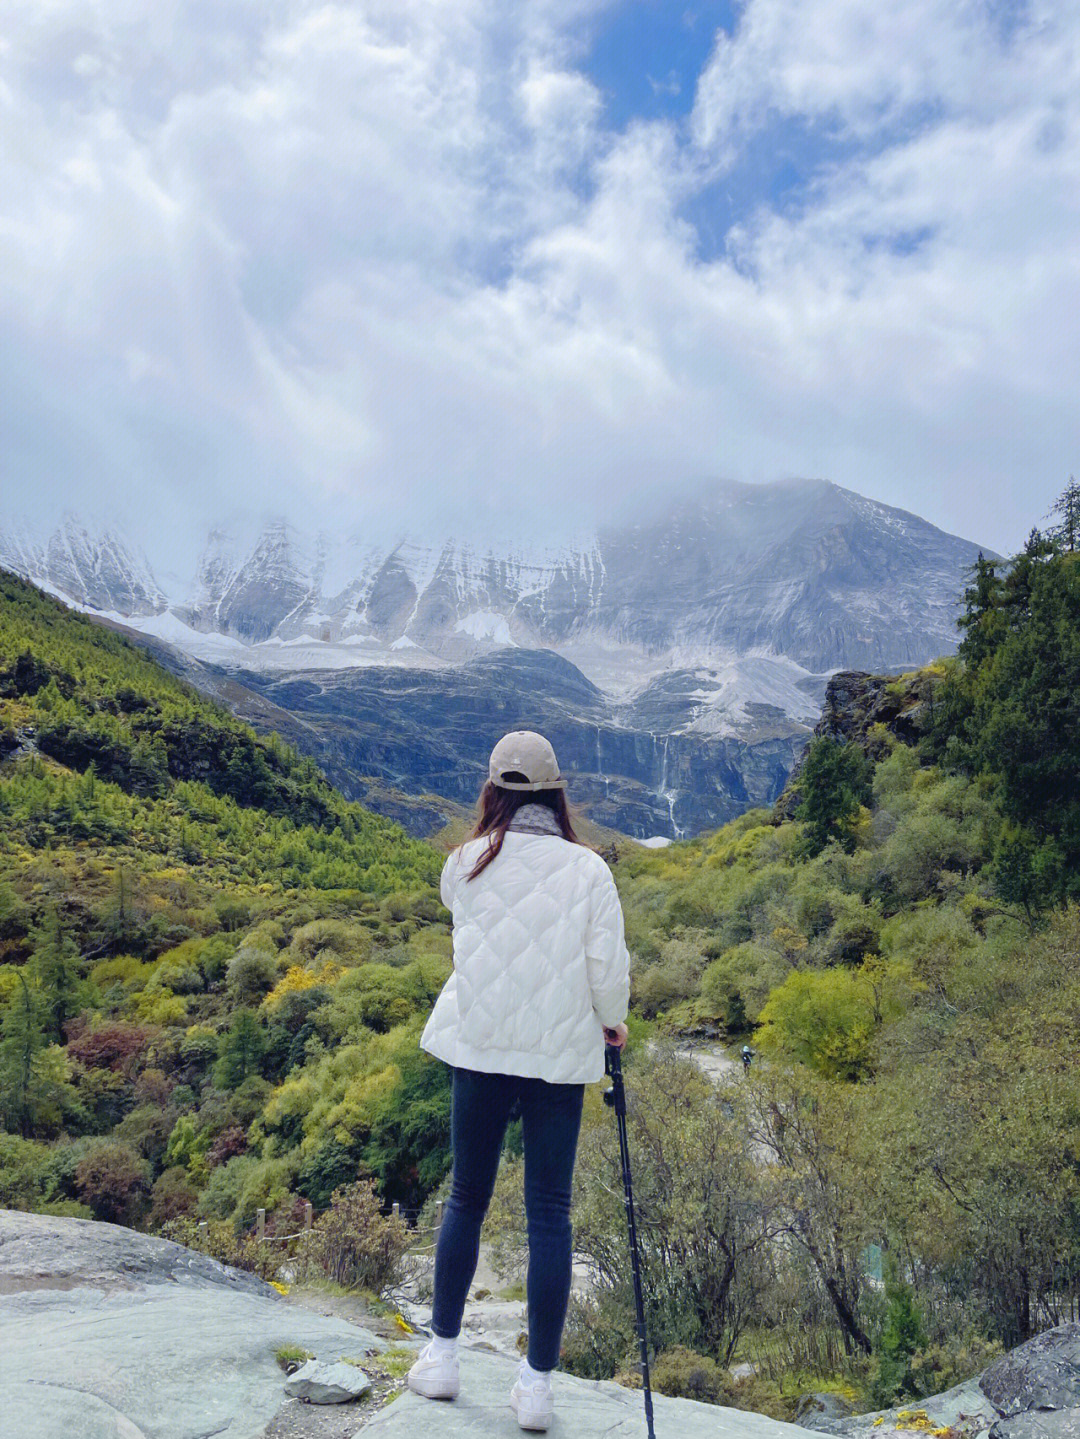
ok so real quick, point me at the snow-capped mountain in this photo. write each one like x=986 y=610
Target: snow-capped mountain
x=716 y=620
x=91 y=567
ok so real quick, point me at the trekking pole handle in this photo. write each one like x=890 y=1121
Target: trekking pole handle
x=615 y=1097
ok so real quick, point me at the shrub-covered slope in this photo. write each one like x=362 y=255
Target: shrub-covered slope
x=190 y=915
x=894 y=1189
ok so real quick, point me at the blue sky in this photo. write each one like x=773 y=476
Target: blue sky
x=645 y=56
x=477 y=264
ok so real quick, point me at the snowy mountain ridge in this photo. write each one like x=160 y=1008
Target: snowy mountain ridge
x=721 y=615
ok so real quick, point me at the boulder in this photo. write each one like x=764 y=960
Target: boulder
x=964 y=1408
x=321 y=1383
x=38 y=1251
x=1044 y=1373
x=1033 y=1392
x=1040 y=1424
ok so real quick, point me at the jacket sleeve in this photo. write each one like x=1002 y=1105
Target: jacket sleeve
x=605 y=952
x=448 y=879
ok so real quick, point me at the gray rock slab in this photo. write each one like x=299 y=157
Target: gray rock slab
x=964 y=1407
x=40 y=1251
x=322 y=1383
x=822 y=1411
x=1044 y=1373
x=1040 y=1424
x=583 y=1410
x=155 y=1348
x=175 y=1363
x=32 y=1409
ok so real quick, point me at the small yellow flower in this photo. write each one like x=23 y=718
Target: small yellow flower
x=281 y=1288
x=403 y=1324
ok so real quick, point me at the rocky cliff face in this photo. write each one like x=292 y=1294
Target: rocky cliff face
x=692 y=649
x=97 y=571
x=763 y=585
x=855 y=705
x=429 y=732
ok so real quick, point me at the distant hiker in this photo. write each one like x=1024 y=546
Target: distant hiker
x=747 y=1058
x=541 y=979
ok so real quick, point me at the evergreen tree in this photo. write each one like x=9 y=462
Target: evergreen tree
x=242 y=1047
x=149 y=766
x=119 y=922
x=1027 y=873
x=9 y=903
x=902 y=1337
x=981 y=610
x=1066 y=532
x=55 y=964
x=1019 y=582
x=835 y=782
x=1012 y=712
x=22 y=1040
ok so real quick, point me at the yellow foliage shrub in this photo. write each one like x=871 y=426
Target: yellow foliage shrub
x=298 y=977
x=159 y=1006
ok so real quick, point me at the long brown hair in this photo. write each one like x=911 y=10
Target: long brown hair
x=497 y=806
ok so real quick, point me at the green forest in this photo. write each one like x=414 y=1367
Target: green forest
x=214 y=971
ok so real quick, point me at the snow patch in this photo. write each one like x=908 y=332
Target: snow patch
x=485 y=625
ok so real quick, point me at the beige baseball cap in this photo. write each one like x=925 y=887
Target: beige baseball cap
x=523 y=751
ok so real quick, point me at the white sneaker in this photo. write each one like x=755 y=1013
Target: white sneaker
x=435 y=1377
x=533 y=1404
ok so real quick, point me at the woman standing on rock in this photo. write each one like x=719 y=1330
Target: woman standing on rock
x=541 y=979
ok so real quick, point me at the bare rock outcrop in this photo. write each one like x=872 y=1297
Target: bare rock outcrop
x=1033 y=1392
x=855 y=705
x=110 y=1334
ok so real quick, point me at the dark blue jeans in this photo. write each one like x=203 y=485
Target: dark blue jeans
x=550 y=1121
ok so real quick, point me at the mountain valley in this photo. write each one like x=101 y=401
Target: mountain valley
x=678 y=663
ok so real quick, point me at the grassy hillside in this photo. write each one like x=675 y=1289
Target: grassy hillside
x=189 y=913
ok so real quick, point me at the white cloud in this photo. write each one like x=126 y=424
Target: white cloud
x=386 y=257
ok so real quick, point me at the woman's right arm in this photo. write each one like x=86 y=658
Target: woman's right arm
x=606 y=957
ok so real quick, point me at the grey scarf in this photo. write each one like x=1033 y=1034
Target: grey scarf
x=535 y=819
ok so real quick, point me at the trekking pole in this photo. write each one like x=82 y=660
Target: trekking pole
x=616 y=1097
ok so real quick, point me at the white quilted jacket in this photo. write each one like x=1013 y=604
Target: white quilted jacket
x=540 y=961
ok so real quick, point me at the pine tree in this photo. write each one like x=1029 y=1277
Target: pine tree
x=902 y=1336
x=88 y=788
x=1020 y=581
x=149 y=766
x=21 y=1041
x=242 y=1047
x=834 y=782
x=1066 y=533
x=981 y=600
x=9 y=902
x=55 y=964
x=118 y=922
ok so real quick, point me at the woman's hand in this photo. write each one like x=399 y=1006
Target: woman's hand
x=616 y=1037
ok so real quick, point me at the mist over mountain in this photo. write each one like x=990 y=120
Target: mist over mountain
x=693 y=646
